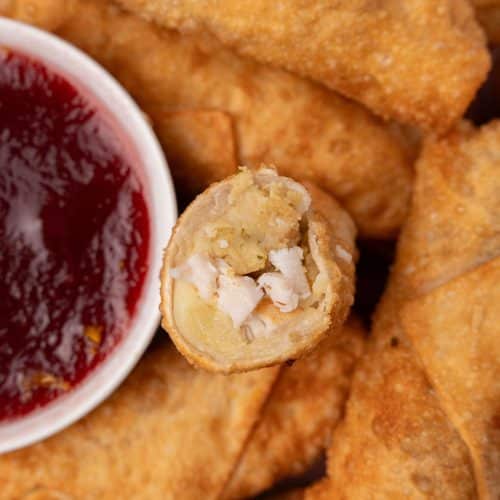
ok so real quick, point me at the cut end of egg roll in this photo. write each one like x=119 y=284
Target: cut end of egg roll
x=255 y=274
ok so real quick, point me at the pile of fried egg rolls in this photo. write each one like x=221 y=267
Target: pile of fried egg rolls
x=272 y=117
x=422 y=419
x=175 y=432
x=400 y=59
x=287 y=146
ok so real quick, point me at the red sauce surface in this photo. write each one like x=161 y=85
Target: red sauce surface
x=74 y=235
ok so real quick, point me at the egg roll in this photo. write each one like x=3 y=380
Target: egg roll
x=169 y=432
x=422 y=418
x=158 y=431
x=296 y=423
x=418 y=61
x=395 y=440
x=257 y=271
x=455 y=331
x=307 y=131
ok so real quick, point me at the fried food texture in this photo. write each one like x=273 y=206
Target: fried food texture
x=418 y=61
x=422 y=419
x=297 y=421
x=152 y=439
x=258 y=270
x=308 y=132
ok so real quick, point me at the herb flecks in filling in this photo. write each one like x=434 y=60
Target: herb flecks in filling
x=256 y=251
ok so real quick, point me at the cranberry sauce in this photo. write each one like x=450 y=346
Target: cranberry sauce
x=74 y=235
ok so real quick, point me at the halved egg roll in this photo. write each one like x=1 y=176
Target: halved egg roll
x=257 y=270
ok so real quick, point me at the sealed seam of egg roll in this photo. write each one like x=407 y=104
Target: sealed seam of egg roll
x=395 y=440
x=258 y=270
x=422 y=418
x=455 y=330
x=168 y=432
x=418 y=61
x=297 y=421
x=277 y=118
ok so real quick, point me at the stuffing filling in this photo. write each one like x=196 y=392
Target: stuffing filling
x=255 y=253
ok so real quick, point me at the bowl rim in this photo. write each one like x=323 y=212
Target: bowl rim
x=85 y=73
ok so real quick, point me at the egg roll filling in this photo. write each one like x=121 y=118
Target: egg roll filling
x=253 y=262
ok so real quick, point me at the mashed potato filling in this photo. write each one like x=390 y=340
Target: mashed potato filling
x=254 y=253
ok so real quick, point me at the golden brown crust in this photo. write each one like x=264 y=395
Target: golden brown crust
x=395 y=441
x=278 y=118
x=46 y=14
x=343 y=229
x=455 y=330
x=453 y=224
x=169 y=432
x=421 y=61
x=421 y=418
x=328 y=225
x=296 y=423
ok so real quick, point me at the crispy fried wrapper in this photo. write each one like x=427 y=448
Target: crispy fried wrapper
x=453 y=224
x=296 y=423
x=200 y=148
x=309 y=132
x=455 y=330
x=258 y=270
x=169 y=432
x=418 y=61
x=395 y=440
x=422 y=418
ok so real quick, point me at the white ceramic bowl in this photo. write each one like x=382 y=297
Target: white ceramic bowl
x=84 y=73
